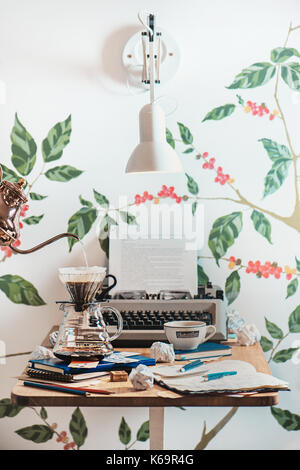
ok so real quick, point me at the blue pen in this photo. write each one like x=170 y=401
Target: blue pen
x=55 y=388
x=217 y=375
x=191 y=365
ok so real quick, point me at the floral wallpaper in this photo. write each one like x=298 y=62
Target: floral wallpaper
x=282 y=66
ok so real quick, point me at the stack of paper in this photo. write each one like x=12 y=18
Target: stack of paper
x=246 y=379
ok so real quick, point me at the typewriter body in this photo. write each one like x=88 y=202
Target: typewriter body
x=144 y=314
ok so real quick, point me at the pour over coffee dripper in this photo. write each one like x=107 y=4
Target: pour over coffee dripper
x=82 y=332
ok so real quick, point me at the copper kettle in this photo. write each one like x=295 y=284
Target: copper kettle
x=12 y=198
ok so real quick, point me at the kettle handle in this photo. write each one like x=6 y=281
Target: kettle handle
x=119 y=318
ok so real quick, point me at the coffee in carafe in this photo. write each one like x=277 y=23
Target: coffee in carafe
x=83 y=333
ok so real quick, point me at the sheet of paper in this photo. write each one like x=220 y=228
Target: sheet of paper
x=153 y=265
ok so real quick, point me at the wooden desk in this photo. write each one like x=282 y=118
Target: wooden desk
x=156 y=398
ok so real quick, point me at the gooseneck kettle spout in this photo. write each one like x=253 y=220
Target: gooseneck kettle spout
x=12 y=198
x=41 y=245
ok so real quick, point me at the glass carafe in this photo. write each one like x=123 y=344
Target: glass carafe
x=83 y=334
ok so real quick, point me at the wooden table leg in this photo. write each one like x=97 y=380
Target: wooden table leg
x=156 y=426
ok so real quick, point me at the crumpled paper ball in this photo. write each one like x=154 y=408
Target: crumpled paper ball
x=41 y=353
x=141 y=377
x=162 y=352
x=248 y=335
x=53 y=337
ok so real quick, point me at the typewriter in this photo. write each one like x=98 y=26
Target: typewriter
x=144 y=314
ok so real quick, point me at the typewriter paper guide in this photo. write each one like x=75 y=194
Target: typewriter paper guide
x=153 y=265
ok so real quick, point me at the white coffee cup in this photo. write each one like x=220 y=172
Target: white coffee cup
x=188 y=334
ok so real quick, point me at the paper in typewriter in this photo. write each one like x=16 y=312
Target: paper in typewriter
x=247 y=379
x=153 y=265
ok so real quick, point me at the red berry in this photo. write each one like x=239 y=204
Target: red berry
x=150 y=197
x=232 y=258
x=178 y=200
x=171 y=189
x=271 y=117
x=205 y=165
x=210 y=166
x=217 y=179
x=289 y=276
x=205 y=155
x=266 y=110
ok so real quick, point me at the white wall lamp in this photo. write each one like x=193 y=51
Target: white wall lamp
x=153 y=153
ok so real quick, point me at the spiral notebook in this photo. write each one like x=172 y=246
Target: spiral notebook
x=55 y=376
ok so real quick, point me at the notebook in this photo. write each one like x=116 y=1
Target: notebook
x=56 y=376
x=64 y=368
x=204 y=350
x=246 y=379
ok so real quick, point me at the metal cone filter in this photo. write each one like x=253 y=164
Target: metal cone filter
x=82 y=283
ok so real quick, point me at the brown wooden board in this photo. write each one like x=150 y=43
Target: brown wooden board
x=125 y=396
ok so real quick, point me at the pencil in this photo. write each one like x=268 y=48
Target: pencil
x=62 y=388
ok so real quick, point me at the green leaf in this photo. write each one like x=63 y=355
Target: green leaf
x=23 y=148
x=266 y=344
x=232 y=287
x=203 y=278
x=57 y=139
x=240 y=100
x=290 y=73
x=124 y=432
x=143 y=433
x=261 y=224
x=281 y=54
x=36 y=197
x=81 y=223
x=257 y=74
x=276 y=176
x=194 y=207
x=274 y=150
x=8 y=174
x=294 y=320
x=189 y=150
x=62 y=173
x=273 y=330
x=105 y=225
x=286 y=419
x=223 y=234
x=7 y=409
x=292 y=288
x=220 y=113
x=20 y=291
x=37 y=433
x=33 y=220
x=281 y=158
x=170 y=138
x=297 y=264
x=284 y=355
x=185 y=134
x=101 y=199
x=192 y=185
x=128 y=218
x=43 y=413
x=78 y=427
x=84 y=202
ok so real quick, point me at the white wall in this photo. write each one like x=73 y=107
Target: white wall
x=61 y=57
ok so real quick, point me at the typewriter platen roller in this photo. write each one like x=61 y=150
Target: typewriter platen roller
x=144 y=314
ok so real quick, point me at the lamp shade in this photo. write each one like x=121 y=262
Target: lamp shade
x=153 y=153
